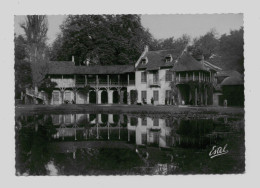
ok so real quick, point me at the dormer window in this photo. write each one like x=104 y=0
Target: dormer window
x=144 y=61
x=168 y=58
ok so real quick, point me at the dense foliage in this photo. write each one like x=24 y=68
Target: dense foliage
x=225 y=51
x=48 y=86
x=104 y=39
x=22 y=67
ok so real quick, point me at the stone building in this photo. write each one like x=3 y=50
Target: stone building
x=108 y=84
x=161 y=73
x=163 y=77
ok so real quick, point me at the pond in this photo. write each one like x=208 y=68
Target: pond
x=127 y=144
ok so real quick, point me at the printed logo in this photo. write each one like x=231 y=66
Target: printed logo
x=217 y=151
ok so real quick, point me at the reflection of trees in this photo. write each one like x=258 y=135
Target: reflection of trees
x=98 y=161
x=193 y=133
x=32 y=144
x=195 y=128
x=83 y=121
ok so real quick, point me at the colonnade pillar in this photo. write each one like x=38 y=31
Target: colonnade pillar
x=206 y=97
x=110 y=96
x=99 y=120
x=99 y=96
x=110 y=118
x=87 y=99
x=196 y=97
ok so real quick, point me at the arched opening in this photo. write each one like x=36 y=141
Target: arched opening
x=124 y=96
x=115 y=97
x=104 y=97
x=92 y=97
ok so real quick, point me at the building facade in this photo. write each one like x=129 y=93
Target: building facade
x=163 y=77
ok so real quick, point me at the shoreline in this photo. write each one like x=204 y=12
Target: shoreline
x=134 y=109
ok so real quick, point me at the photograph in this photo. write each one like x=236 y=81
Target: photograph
x=129 y=94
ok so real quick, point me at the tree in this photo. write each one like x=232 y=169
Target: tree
x=205 y=45
x=178 y=44
x=104 y=39
x=22 y=67
x=231 y=50
x=48 y=86
x=35 y=28
x=84 y=91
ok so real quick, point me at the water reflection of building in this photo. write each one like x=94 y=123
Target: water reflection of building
x=140 y=131
x=153 y=132
x=137 y=130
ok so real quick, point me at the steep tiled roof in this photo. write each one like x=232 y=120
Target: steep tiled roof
x=187 y=63
x=156 y=59
x=228 y=73
x=232 y=78
x=63 y=67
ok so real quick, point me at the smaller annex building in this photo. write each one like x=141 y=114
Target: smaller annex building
x=108 y=84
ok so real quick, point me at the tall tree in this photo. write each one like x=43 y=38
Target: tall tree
x=205 y=45
x=35 y=28
x=104 y=39
x=22 y=67
x=231 y=49
x=178 y=44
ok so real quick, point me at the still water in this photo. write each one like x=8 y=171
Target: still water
x=111 y=144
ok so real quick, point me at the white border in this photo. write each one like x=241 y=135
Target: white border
x=252 y=67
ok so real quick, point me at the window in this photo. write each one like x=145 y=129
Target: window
x=168 y=77
x=143 y=61
x=55 y=119
x=67 y=118
x=156 y=77
x=156 y=138
x=56 y=97
x=168 y=58
x=144 y=96
x=156 y=122
x=143 y=77
x=67 y=96
x=144 y=121
x=155 y=95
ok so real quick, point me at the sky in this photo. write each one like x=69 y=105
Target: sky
x=162 y=26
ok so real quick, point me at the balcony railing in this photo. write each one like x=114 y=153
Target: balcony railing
x=105 y=83
x=184 y=79
x=154 y=83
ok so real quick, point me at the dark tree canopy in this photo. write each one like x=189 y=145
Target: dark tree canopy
x=178 y=44
x=231 y=49
x=225 y=51
x=205 y=45
x=103 y=39
x=22 y=66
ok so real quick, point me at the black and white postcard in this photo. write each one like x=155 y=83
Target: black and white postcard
x=132 y=93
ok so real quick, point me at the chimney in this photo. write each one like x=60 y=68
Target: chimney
x=87 y=62
x=73 y=59
x=146 y=48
